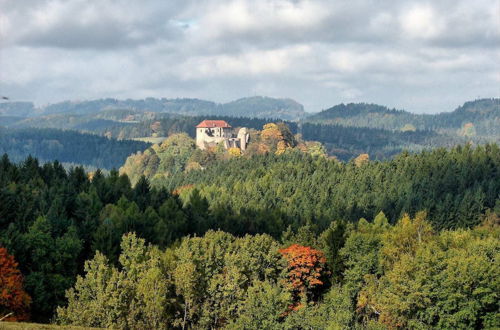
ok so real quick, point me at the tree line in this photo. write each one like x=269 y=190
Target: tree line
x=66 y=147
x=295 y=207
x=484 y=114
x=454 y=186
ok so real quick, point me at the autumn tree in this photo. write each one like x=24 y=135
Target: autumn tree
x=361 y=160
x=306 y=271
x=14 y=301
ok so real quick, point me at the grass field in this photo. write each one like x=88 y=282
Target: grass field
x=151 y=139
x=36 y=326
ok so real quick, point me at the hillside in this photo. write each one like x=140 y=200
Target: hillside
x=474 y=118
x=67 y=147
x=264 y=107
x=321 y=189
x=347 y=142
x=17 y=109
x=343 y=142
x=257 y=106
x=345 y=130
x=179 y=154
x=94 y=250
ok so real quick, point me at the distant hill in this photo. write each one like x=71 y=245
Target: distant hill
x=481 y=116
x=256 y=106
x=66 y=147
x=347 y=142
x=10 y=120
x=264 y=107
x=178 y=153
x=17 y=109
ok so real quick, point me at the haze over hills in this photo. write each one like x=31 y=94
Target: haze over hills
x=67 y=147
x=483 y=114
x=256 y=106
x=346 y=130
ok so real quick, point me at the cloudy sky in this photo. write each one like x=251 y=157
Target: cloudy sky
x=422 y=56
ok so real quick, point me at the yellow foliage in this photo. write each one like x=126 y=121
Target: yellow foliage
x=361 y=160
x=235 y=152
x=281 y=147
x=271 y=131
x=408 y=128
x=404 y=238
x=262 y=148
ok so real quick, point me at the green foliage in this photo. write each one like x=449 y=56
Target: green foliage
x=133 y=297
x=67 y=147
x=455 y=187
x=412 y=274
x=165 y=159
x=214 y=272
x=447 y=280
x=52 y=261
x=484 y=113
x=263 y=308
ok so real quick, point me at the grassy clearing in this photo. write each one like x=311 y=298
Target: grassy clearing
x=151 y=139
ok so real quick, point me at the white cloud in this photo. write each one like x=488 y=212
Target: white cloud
x=421 y=21
x=276 y=61
x=418 y=55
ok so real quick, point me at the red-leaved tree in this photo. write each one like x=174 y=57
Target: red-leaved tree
x=14 y=301
x=306 y=272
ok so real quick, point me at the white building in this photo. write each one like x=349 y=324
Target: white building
x=213 y=132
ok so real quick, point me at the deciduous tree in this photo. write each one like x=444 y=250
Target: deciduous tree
x=14 y=301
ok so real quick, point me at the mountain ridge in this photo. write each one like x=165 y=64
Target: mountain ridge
x=483 y=114
x=254 y=106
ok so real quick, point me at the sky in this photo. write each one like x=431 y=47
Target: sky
x=421 y=56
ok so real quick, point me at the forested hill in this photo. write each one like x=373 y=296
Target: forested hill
x=451 y=185
x=17 y=109
x=67 y=147
x=282 y=215
x=129 y=124
x=295 y=178
x=256 y=106
x=479 y=117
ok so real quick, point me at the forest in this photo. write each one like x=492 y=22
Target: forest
x=345 y=130
x=255 y=106
x=68 y=147
x=316 y=225
x=279 y=173
x=287 y=239
x=484 y=114
x=347 y=142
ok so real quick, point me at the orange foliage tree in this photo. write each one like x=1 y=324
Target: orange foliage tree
x=306 y=272
x=14 y=301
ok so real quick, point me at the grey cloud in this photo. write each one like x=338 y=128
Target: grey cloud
x=102 y=24
x=422 y=56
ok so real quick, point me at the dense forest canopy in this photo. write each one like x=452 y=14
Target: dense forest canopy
x=194 y=262
x=318 y=224
x=454 y=186
x=345 y=130
x=66 y=147
x=347 y=142
x=483 y=114
x=341 y=141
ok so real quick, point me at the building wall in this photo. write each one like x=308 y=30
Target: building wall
x=221 y=134
x=218 y=135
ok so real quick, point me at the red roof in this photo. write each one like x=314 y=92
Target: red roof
x=213 y=123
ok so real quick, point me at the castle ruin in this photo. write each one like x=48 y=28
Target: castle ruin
x=212 y=132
